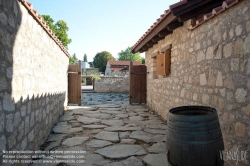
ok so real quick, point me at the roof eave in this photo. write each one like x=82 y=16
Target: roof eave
x=155 y=32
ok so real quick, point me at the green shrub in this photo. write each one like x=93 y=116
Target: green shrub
x=96 y=78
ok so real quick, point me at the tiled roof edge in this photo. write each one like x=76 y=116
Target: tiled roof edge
x=159 y=20
x=39 y=19
x=216 y=11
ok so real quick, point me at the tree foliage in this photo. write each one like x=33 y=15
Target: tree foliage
x=73 y=59
x=85 y=58
x=143 y=60
x=101 y=58
x=129 y=56
x=59 y=28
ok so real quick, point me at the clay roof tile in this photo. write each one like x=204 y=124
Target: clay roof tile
x=39 y=19
x=218 y=10
x=225 y=5
x=229 y=3
x=208 y=16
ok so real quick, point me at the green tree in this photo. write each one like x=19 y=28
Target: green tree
x=143 y=60
x=101 y=58
x=49 y=21
x=85 y=58
x=129 y=56
x=59 y=28
x=73 y=59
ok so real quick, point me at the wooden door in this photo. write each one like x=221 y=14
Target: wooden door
x=138 y=84
x=74 y=84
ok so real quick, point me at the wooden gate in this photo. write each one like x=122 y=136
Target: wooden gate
x=74 y=84
x=138 y=84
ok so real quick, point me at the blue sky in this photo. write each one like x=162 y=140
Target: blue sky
x=103 y=25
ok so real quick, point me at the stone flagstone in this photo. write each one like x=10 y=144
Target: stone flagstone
x=71 y=150
x=159 y=147
x=95 y=159
x=76 y=124
x=110 y=132
x=111 y=112
x=131 y=161
x=61 y=129
x=56 y=137
x=80 y=112
x=156 y=160
x=147 y=122
x=157 y=126
x=52 y=145
x=108 y=106
x=124 y=135
x=76 y=129
x=87 y=120
x=146 y=137
x=94 y=126
x=108 y=136
x=121 y=151
x=113 y=122
x=98 y=143
x=155 y=131
x=111 y=109
x=128 y=141
x=122 y=128
x=99 y=116
x=66 y=118
x=75 y=141
x=122 y=115
x=82 y=108
x=135 y=118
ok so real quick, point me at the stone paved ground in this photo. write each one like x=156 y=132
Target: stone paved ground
x=112 y=132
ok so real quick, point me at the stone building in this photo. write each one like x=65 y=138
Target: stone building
x=118 y=68
x=33 y=81
x=199 y=54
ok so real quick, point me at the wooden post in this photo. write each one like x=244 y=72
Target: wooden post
x=130 y=82
x=79 y=83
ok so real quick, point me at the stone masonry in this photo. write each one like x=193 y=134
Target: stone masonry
x=113 y=85
x=33 y=79
x=210 y=66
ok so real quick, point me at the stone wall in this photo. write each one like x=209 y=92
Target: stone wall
x=210 y=66
x=33 y=79
x=112 y=85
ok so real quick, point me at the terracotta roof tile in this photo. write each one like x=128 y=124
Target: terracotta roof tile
x=218 y=10
x=38 y=18
x=225 y=5
x=166 y=12
x=178 y=4
x=229 y=3
x=208 y=16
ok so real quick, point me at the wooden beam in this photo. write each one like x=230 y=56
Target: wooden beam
x=197 y=11
x=157 y=38
x=150 y=44
x=190 y=5
x=144 y=48
x=164 y=33
x=174 y=25
x=168 y=19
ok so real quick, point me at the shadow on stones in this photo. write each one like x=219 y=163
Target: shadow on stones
x=25 y=119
